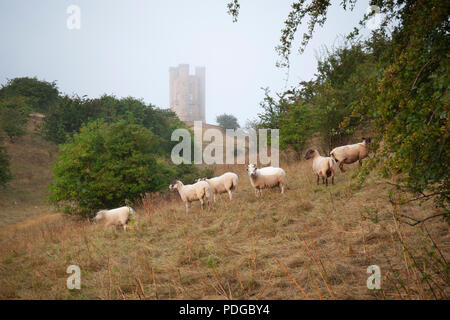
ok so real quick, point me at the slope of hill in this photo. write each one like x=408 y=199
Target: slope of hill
x=25 y=195
x=312 y=242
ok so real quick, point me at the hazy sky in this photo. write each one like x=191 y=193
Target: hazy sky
x=126 y=47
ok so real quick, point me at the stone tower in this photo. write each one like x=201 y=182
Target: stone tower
x=187 y=93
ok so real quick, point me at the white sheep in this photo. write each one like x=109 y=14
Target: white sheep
x=118 y=217
x=199 y=191
x=268 y=177
x=350 y=153
x=324 y=167
x=225 y=183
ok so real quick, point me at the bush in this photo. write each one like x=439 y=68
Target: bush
x=5 y=172
x=104 y=165
x=13 y=116
x=40 y=95
x=227 y=121
x=71 y=113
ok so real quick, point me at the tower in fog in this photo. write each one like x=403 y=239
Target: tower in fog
x=187 y=93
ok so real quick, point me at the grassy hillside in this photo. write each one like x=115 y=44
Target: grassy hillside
x=312 y=242
x=25 y=195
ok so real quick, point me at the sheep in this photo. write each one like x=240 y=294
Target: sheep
x=118 y=217
x=192 y=192
x=350 y=153
x=267 y=177
x=225 y=183
x=324 y=167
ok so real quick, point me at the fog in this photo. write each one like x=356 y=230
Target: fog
x=125 y=48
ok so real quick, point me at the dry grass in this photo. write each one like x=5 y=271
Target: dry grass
x=26 y=194
x=313 y=242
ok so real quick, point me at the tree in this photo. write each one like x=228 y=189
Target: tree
x=13 y=116
x=406 y=99
x=324 y=104
x=409 y=106
x=41 y=95
x=227 y=121
x=104 y=165
x=71 y=113
x=5 y=172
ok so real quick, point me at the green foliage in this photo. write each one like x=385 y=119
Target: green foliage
x=323 y=105
x=67 y=117
x=397 y=82
x=5 y=172
x=104 y=165
x=410 y=107
x=294 y=119
x=340 y=85
x=233 y=9
x=71 y=113
x=40 y=95
x=13 y=119
x=297 y=126
x=227 y=121
x=13 y=116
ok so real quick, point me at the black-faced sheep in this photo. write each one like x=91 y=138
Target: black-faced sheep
x=350 y=153
x=324 y=167
x=199 y=191
x=268 y=177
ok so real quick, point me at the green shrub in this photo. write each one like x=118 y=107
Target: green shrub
x=40 y=95
x=5 y=172
x=13 y=116
x=105 y=165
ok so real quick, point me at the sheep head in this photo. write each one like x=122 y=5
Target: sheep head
x=311 y=153
x=251 y=169
x=174 y=185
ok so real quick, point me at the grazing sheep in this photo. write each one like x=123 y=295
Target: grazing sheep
x=192 y=192
x=118 y=217
x=350 y=153
x=324 y=167
x=225 y=183
x=267 y=177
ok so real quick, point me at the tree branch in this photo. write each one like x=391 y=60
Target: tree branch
x=417 y=221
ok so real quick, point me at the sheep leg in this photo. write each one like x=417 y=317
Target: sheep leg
x=341 y=166
x=317 y=179
x=360 y=163
x=187 y=206
x=230 y=194
x=201 y=203
x=326 y=181
x=332 y=180
x=124 y=227
x=282 y=188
